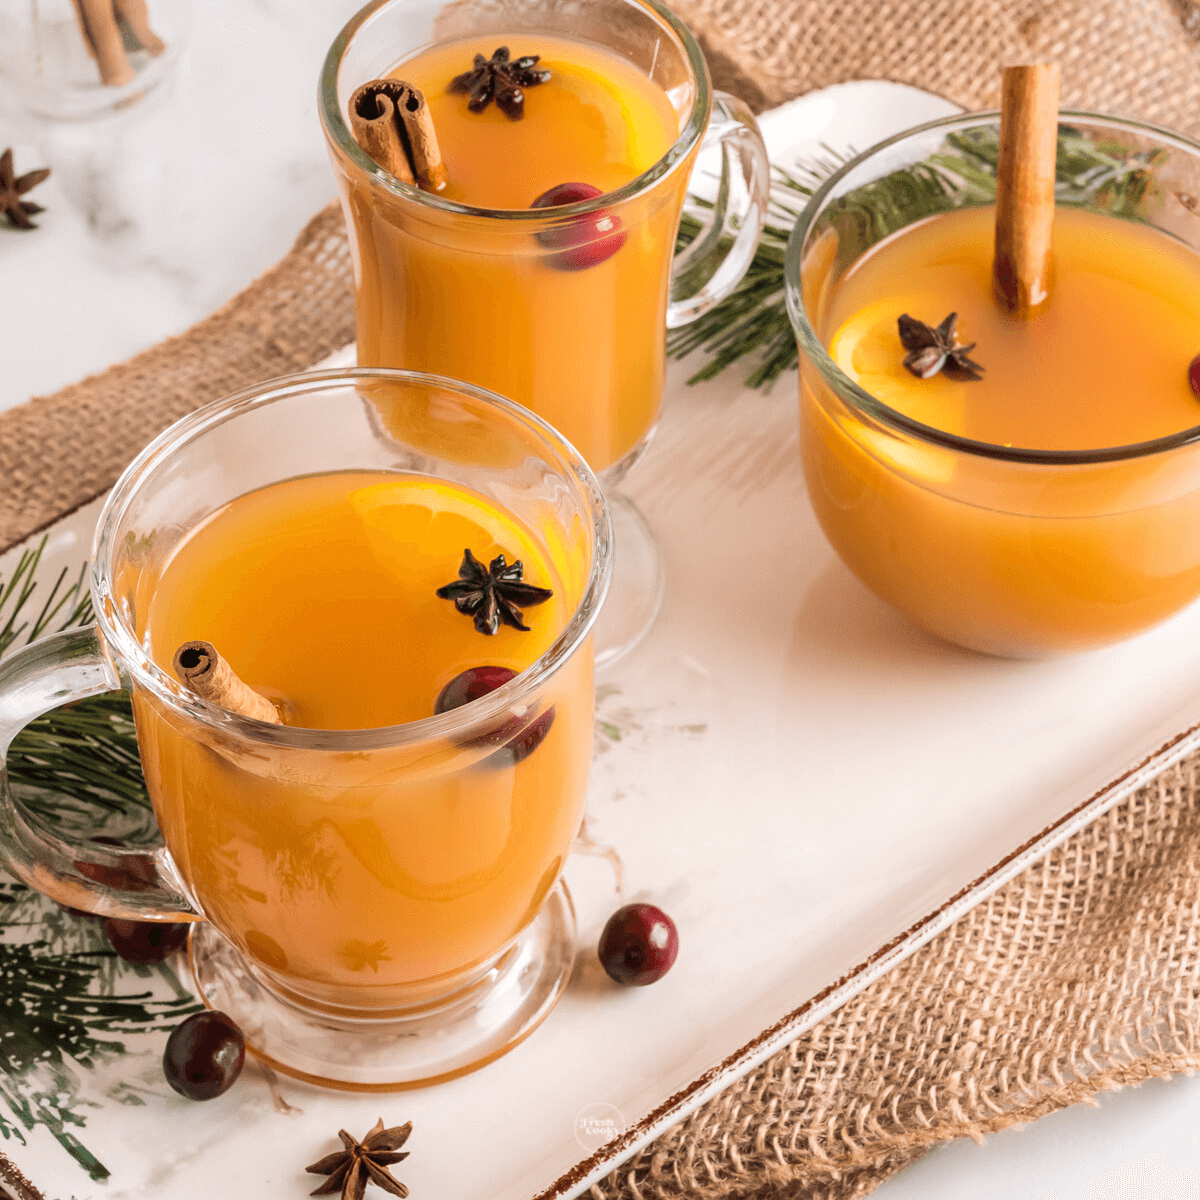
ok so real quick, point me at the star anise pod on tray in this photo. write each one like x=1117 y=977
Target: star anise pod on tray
x=931 y=350
x=500 y=78
x=13 y=187
x=364 y=1162
x=491 y=594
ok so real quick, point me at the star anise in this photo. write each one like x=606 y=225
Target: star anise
x=363 y=1162
x=932 y=350
x=491 y=594
x=13 y=187
x=501 y=79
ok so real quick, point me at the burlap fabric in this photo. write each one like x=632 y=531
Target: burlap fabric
x=1080 y=975
x=58 y=452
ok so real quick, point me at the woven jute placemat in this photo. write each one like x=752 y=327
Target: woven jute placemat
x=1080 y=975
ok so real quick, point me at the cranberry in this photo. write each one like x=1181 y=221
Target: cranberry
x=145 y=941
x=1194 y=374
x=520 y=748
x=638 y=945
x=471 y=684
x=515 y=746
x=204 y=1056
x=136 y=874
x=584 y=241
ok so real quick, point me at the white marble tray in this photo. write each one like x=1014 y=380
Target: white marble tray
x=811 y=787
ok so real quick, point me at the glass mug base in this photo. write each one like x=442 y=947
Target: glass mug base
x=467 y=1030
x=638 y=584
x=612 y=475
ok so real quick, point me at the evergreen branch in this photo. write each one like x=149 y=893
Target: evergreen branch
x=71 y=603
x=753 y=321
x=66 y=1001
x=78 y=764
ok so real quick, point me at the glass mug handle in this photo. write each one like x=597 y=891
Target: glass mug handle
x=138 y=884
x=717 y=258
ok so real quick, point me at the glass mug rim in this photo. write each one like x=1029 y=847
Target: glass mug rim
x=850 y=392
x=336 y=129
x=132 y=661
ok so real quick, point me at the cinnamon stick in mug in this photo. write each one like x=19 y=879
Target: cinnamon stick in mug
x=422 y=140
x=1025 y=176
x=134 y=14
x=201 y=667
x=98 y=20
x=391 y=122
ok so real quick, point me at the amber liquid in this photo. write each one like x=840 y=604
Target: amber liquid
x=1004 y=557
x=481 y=299
x=370 y=878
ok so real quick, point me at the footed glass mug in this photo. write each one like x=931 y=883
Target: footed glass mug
x=480 y=293
x=375 y=907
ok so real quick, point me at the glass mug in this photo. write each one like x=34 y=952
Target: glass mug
x=1010 y=551
x=472 y=292
x=375 y=907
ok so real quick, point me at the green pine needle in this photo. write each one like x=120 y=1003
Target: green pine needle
x=67 y=1002
x=77 y=765
x=752 y=323
x=71 y=603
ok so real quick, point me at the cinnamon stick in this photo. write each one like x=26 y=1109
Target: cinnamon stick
x=201 y=667
x=11 y=1179
x=98 y=20
x=422 y=140
x=375 y=127
x=391 y=122
x=134 y=14
x=1025 y=186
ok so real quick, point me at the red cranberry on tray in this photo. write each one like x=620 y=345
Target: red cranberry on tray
x=639 y=945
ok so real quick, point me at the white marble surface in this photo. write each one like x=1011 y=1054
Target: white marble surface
x=158 y=216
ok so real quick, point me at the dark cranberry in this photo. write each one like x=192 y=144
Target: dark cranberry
x=521 y=747
x=584 y=241
x=145 y=941
x=471 y=684
x=204 y=1056
x=1194 y=374
x=638 y=945
x=137 y=872
x=566 y=193
x=515 y=743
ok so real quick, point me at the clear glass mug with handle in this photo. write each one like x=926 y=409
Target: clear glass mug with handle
x=478 y=294
x=375 y=907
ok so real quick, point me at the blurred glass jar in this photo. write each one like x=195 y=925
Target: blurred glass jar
x=76 y=59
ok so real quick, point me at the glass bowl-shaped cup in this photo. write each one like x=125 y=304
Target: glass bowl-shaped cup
x=1014 y=551
x=375 y=907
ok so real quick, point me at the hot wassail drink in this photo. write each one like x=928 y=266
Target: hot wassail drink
x=377 y=874
x=1023 y=559
x=567 y=320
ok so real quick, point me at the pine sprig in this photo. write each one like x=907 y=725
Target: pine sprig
x=70 y=602
x=753 y=321
x=78 y=765
x=67 y=1003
